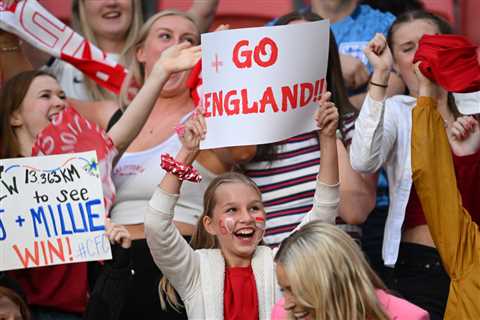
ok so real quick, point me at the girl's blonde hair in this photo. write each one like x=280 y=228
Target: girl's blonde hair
x=329 y=275
x=201 y=238
x=79 y=23
x=136 y=71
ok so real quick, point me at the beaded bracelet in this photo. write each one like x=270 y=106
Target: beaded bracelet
x=181 y=171
x=9 y=49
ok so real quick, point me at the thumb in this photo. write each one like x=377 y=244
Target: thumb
x=325 y=97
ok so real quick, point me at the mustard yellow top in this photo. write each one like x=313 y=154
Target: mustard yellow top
x=455 y=234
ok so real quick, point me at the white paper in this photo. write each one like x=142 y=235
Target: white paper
x=51 y=211
x=300 y=67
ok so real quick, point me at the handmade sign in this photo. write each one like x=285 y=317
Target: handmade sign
x=34 y=24
x=261 y=85
x=51 y=211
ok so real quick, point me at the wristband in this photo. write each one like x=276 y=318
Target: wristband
x=178 y=169
x=379 y=85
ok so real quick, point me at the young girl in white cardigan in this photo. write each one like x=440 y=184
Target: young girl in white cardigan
x=227 y=274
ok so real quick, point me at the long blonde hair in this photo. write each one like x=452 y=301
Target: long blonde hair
x=79 y=23
x=329 y=275
x=201 y=239
x=136 y=71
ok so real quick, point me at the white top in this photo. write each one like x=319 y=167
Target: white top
x=72 y=80
x=198 y=275
x=382 y=138
x=138 y=174
x=468 y=103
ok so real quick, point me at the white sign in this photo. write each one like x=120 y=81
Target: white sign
x=261 y=85
x=51 y=211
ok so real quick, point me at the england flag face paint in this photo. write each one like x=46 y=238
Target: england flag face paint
x=260 y=223
x=238 y=219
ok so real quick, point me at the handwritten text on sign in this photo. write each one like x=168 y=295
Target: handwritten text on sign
x=51 y=211
x=261 y=85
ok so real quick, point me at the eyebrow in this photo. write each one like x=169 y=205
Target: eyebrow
x=229 y=204
x=50 y=91
x=171 y=30
x=45 y=91
x=163 y=29
x=407 y=43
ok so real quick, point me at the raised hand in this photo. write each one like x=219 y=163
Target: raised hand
x=378 y=53
x=426 y=87
x=464 y=136
x=354 y=72
x=327 y=116
x=193 y=131
x=222 y=27
x=118 y=234
x=178 y=58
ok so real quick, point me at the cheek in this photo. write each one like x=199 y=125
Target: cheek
x=405 y=60
x=260 y=222
x=154 y=50
x=226 y=225
x=92 y=10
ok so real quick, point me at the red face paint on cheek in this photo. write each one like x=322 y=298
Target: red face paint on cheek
x=260 y=223
x=229 y=224
x=223 y=229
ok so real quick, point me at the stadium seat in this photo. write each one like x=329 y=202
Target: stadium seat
x=239 y=14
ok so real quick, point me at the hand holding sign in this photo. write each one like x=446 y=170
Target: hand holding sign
x=327 y=116
x=194 y=131
x=118 y=234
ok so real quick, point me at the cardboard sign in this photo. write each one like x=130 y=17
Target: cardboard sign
x=51 y=211
x=261 y=85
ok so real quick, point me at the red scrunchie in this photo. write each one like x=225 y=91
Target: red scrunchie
x=449 y=60
x=181 y=171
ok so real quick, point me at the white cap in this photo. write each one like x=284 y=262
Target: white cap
x=468 y=103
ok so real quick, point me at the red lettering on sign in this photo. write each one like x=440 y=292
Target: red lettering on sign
x=217 y=103
x=242 y=56
x=206 y=105
x=261 y=49
x=246 y=55
x=235 y=102
x=268 y=98
x=52 y=251
x=290 y=94
x=245 y=108
x=306 y=93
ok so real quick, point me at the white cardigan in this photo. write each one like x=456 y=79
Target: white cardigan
x=382 y=138
x=198 y=275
